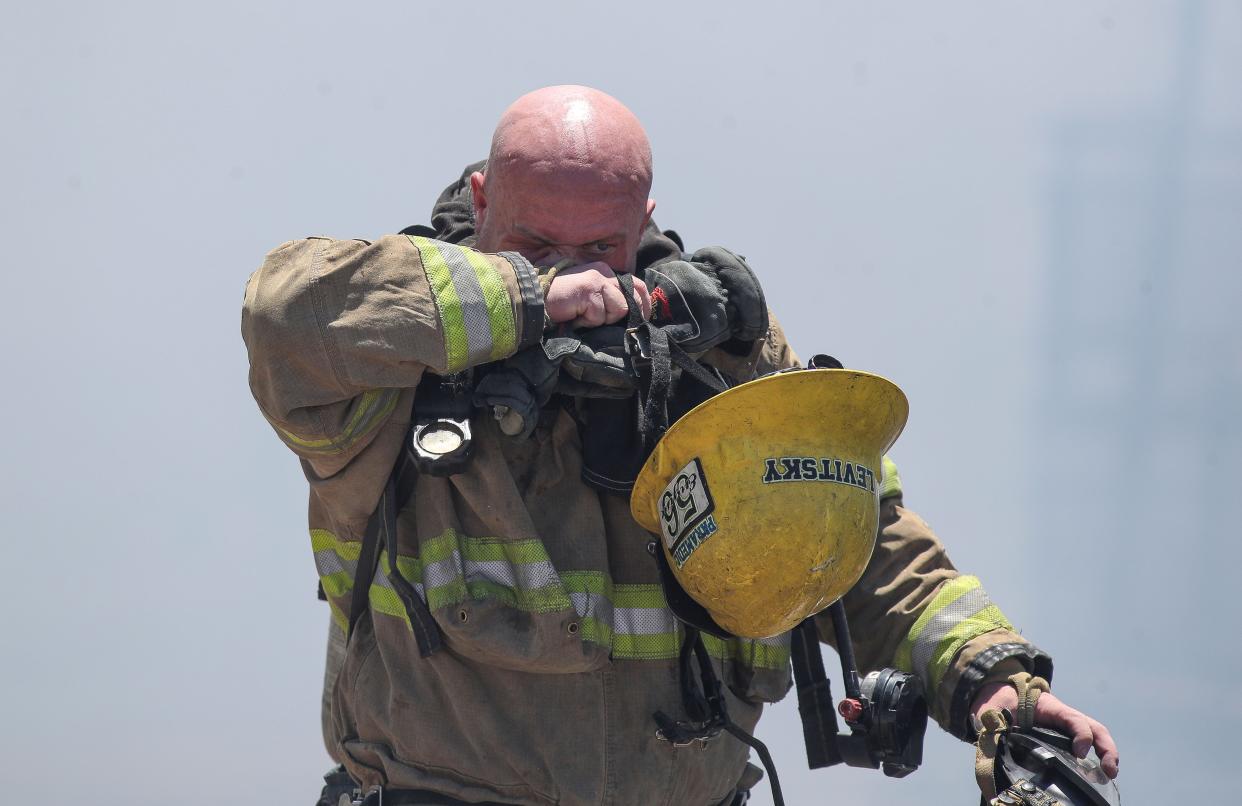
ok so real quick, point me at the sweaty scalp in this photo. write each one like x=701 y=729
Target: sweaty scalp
x=570 y=134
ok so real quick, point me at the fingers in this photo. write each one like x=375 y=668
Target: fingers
x=644 y=297
x=1084 y=732
x=589 y=296
x=573 y=295
x=1106 y=749
x=602 y=305
x=1079 y=729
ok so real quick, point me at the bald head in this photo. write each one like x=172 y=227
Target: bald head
x=570 y=132
x=568 y=175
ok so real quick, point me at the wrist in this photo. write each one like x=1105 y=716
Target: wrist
x=990 y=658
x=531 y=307
x=553 y=315
x=998 y=695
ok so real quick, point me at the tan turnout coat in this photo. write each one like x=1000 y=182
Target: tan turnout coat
x=558 y=648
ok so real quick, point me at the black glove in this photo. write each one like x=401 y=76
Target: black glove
x=690 y=302
x=522 y=384
x=747 y=308
x=589 y=363
x=593 y=362
x=711 y=299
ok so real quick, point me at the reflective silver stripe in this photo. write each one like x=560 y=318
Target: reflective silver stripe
x=523 y=576
x=329 y=562
x=782 y=640
x=624 y=620
x=443 y=572
x=592 y=605
x=381 y=579
x=643 y=621
x=473 y=307
x=952 y=614
x=620 y=620
x=518 y=576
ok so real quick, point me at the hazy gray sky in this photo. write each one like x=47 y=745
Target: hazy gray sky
x=1027 y=215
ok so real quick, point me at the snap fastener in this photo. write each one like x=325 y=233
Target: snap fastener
x=463 y=616
x=572 y=627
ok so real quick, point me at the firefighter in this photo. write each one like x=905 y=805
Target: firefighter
x=508 y=639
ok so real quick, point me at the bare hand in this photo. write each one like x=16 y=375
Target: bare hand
x=589 y=296
x=1050 y=712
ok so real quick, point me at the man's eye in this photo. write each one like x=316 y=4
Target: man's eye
x=601 y=247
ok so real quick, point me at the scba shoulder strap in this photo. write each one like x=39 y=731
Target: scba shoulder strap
x=381 y=537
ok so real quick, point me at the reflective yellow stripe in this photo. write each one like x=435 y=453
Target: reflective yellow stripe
x=323 y=540
x=452 y=320
x=960 y=611
x=891 y=484
x=336 y=561
x=632 y=620
x=768 y=653
x=385 y=600
x=476 y=312
x=499 y=309
x=370 y=409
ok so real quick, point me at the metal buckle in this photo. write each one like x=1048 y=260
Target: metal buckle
x=638 y=345
x=373 y=797
x=702 y=740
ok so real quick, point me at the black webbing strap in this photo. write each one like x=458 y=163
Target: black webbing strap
x=634 y=315
x=819 y=718
x=705 y=705
x=381 y=533
x=368 y=556
x=695 y=698
x=654 y=420
x=426 y=632
x=703 y=702
x=671 y=347
x=656 y=387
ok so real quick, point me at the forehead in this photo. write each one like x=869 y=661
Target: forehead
x=571 y=209
x=569 y=220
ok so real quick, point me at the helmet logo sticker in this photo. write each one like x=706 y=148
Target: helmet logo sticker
x=810 y=468
x=686 y=512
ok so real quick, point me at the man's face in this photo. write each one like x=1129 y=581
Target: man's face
x=547 y=218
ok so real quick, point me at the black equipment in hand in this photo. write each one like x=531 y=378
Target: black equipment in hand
x=745 y=304
x=886 y=712
x=1038 y=765
x=713 y=298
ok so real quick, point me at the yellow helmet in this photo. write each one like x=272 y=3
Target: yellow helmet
x=766 y=495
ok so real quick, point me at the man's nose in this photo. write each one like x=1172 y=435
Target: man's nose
x=576 y=257
x=556 y=254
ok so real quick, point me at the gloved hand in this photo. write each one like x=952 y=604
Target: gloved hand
x=593 y=362
x=522 y=384
x=710 y=299
x=589 y=363
x=746 y=306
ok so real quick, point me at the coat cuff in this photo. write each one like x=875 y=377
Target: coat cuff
x=530 y=304
x=988 y=659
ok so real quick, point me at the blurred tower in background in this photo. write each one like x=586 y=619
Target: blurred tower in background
x=1141 y=384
